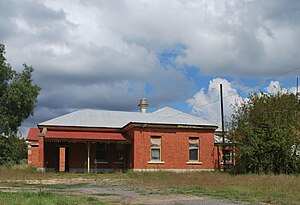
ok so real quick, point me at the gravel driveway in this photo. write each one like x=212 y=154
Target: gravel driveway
x=121 y=196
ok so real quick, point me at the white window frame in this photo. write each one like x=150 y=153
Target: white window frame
x=191 y=140
x=159 y=147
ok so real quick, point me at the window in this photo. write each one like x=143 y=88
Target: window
x=228 y=156
x=100 y=152
x=119 y=153
x=155 y=148
x=193 y=149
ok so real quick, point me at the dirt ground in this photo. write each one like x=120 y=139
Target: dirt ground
x=110 y=191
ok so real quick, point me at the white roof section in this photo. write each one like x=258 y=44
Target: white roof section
x=219 y=139
x=118 y=119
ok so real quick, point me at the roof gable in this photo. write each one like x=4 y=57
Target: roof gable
x=33 y=134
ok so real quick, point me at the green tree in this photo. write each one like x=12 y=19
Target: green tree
x=13 y=150
x=18 y=95
x=266 y=129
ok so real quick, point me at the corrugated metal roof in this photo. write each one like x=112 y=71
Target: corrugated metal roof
x=219 y=140
x=169 y=115
x=118 y=119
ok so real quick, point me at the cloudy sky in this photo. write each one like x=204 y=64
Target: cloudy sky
x=108 y=54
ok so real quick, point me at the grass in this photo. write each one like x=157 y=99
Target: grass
x=273 y=189
x=45 y=198
x=45 y=186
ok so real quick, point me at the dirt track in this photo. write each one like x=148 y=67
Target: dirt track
x=113 y=192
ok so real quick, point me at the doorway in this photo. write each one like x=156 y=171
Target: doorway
x=62 y=157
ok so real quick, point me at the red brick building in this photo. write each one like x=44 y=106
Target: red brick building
x=99 y=140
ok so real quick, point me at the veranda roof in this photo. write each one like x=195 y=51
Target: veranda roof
x=85 y=135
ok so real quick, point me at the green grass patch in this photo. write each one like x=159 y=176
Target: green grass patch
x=274 y=189
x=44 y=186
x=45 y=198
x=244 y=194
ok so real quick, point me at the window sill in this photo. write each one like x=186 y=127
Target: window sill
x=156 y=162
x=194 y=163
x=227 y=163
x=101 y=162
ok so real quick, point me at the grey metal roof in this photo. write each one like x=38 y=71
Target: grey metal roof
x=219 y=140
x=118 y=119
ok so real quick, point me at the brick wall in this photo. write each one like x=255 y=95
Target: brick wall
x=41 y=152
x=174 y=148
x=130 y=150
x=174 y=151
x=33 y=158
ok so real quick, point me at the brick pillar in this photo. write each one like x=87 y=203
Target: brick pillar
x=41 y=152
x=62 y=159
x=29 y=154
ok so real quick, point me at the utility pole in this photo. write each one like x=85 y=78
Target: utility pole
x=297 y=86
x=223 y=134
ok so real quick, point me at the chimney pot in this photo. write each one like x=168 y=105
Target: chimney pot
x=143 y=105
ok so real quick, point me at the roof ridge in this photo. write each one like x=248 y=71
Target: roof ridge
x=163 y=108
x=199 y=118
x=61 y=116
x=149 y=114
x=183 y=113
x=112 y=110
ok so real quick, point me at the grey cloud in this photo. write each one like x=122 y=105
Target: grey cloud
x=221 y=37
x=102 y=54
x=38 y=17
x=38 y=14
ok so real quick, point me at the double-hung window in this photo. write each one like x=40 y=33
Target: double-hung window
x=193 y=149
x=100 y=152
x=155 y=148
x=119 y=153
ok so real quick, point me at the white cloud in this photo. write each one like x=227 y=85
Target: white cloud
x=275 y=87
x=207 y=104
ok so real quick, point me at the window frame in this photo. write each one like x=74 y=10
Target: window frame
x=228 y=157
x=194 y=148
x=122 y=151
x=155 y=148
